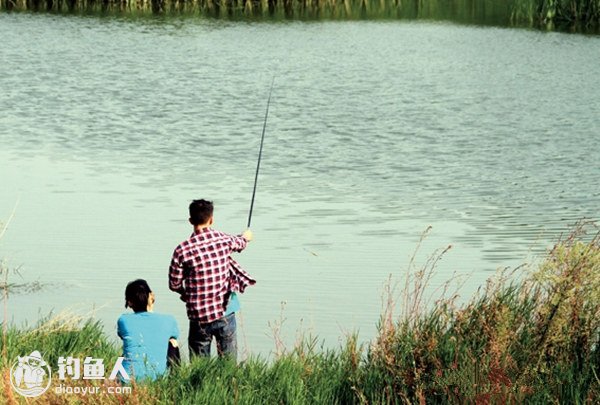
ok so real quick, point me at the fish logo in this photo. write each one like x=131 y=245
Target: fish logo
x=30 y=375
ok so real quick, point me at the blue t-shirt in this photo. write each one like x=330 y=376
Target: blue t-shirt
x=233 y=305
x=145 y=343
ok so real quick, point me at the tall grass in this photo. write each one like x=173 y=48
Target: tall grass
x=529 y=336
x=535 y=339
x=541 y=13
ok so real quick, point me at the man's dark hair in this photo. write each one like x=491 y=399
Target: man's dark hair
x=200 y=211
x=137 y=294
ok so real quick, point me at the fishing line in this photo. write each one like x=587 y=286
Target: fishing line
x=262 y=139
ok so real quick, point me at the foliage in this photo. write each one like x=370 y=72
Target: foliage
x=534 y=340
x=540 y=13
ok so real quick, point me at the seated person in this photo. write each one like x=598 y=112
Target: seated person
x=147 y=336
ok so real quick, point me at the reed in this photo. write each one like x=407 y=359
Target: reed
x=534 y=339
x=531 y=335
x=540 y=13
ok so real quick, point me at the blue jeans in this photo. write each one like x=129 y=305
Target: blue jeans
x=224 y=332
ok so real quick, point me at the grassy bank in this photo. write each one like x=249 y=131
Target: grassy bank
x=527 y=339
x=540 y=13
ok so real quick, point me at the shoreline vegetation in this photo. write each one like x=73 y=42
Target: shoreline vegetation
x=546 y=14
x=531 y=337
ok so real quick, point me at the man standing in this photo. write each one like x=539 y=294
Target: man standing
x=204 y=274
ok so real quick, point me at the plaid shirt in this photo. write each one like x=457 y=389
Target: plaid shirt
x=204 y=273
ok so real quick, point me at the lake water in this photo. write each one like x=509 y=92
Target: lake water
x=377 y=130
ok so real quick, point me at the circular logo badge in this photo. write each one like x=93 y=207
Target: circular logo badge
x=30 y=375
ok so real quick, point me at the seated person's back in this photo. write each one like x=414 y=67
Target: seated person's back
x=146 y=335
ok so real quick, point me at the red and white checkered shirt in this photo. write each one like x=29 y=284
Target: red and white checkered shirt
x=203 y=271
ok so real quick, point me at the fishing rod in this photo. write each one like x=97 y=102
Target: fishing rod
x=262 y=139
